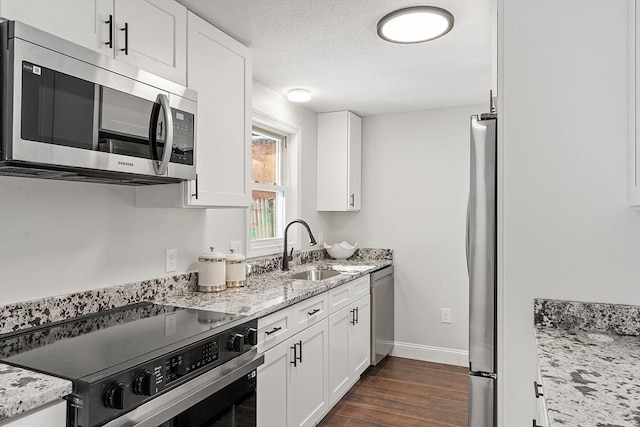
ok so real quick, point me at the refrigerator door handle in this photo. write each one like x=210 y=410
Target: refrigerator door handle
x=466 y=240
x=481 y=244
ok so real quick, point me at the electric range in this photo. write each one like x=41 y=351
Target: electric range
x=120 y=359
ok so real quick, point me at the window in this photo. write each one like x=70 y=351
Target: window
x=268 y=154
x=274 y=186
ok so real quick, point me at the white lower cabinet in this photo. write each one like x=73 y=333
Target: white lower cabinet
x=272 y=386
x=314 y=352
x=293 y=381
x=349 y=347
x=52 y=415
x=309 y=394
x=542 y=419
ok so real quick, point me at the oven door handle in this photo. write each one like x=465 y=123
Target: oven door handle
x=170 y=404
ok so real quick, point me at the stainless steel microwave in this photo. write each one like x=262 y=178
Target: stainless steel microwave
x=71 y=113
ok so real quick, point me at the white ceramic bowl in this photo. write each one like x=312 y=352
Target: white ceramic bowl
x=342 y=250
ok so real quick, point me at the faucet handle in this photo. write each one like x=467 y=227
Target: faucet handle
x=291 y=255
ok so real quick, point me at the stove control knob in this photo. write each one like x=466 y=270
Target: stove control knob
x=117 y=396
x=251 y=336
x=144 y=383
x=236 y=342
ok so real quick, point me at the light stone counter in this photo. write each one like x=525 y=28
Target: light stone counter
x=22 y=390
x=590 y=373
x=269 y=292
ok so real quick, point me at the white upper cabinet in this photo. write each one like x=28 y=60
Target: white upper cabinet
x=154 y=40
x=152 y=35
x=634 y=98
x=339 y=161
x=83 y=22
x=219 y=69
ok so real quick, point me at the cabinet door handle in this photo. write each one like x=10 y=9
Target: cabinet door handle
x=110 y=23
x=357 y=315
x=273 y=331
x=535 y=423
x=536 y=389
x=353 y=316
x=300 y=358
x=196 y=194
x=126 y=38
x=294 y=362
x=353 y=200
x=311 y=313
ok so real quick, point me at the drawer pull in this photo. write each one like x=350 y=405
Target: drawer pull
x=311 y=313
x=273 y=331
x=536 y=389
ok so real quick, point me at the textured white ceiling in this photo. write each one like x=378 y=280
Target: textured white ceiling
x=331 y=48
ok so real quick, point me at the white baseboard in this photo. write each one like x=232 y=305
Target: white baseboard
x=428 y=353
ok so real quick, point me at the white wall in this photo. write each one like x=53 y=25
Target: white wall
x=415 y=184
x=58 y=237
x=567 y=232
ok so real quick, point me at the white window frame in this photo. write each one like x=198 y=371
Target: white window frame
x=275 y=246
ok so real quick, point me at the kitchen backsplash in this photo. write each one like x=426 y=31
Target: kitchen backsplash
x=28 y=314
x=587 y=316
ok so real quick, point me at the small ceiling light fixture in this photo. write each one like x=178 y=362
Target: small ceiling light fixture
x=415 y=24
x=299 y=95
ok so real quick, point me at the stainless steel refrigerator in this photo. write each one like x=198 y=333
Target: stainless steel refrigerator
x=481 y=265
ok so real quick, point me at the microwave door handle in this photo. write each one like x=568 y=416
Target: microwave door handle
x=161 y=166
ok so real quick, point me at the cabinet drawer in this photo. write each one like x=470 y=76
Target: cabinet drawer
x=310 y=311
x=346 y=294
x=339 y=297
x=360 y=287
x=275 y=328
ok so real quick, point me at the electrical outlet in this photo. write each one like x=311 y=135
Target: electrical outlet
x=236 y=246
x=445 y=315
x=171 y=260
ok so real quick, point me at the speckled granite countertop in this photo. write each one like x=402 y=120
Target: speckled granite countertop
x=22 y=390
x=590 y=373
x=269 y=292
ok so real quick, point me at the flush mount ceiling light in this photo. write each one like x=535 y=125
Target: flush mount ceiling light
x=299 y=95
x=415 y=24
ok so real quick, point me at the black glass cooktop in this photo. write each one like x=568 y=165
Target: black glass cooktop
x=119 y=338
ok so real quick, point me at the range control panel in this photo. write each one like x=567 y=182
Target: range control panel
x=123 y=392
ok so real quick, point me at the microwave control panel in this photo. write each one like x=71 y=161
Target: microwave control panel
x=183 y=137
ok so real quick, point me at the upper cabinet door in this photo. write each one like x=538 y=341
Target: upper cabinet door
x=155 y=38
x=634 y=98
x=220 y=71
x=354 y=192
x=81 y=22
x=339 y=161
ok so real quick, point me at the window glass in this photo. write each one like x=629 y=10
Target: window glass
x=268 y=188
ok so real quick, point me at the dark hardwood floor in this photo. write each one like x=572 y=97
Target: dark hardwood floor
x=404 y=392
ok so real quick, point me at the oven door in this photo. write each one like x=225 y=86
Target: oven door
x=224 y=396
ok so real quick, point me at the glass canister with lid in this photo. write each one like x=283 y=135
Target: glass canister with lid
x=212 y=271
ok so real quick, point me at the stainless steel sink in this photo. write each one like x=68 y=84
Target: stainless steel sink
x=315 y=275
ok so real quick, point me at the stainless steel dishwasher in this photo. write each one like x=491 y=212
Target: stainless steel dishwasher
x=381 y=314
